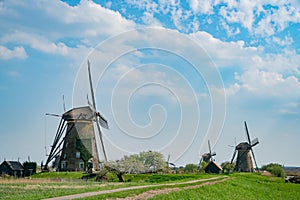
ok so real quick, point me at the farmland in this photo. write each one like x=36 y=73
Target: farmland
x=154 y=186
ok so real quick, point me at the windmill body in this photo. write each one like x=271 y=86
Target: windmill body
x=244 y=161
x=244 y=150
x=79 y=151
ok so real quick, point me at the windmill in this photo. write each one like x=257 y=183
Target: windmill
x=169 y=163
x=212 y=166
x=207 y=157
x=243 y=160
x=77 y=150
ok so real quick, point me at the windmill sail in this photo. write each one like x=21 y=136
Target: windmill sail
x=102 y=121
x=94 y=107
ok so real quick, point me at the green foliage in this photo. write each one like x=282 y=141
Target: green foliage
x=227 y=167
x=275 y=169
x=102 y=175
x=191 y=168
x=203 y=164
x=144 y=162
x=153 y=161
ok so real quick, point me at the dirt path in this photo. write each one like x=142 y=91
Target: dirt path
x=144 y=195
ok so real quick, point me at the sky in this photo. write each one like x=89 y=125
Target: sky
x=168 y=75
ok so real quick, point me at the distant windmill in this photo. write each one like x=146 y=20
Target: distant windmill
x=169 y=163
x=76 y=150
x=243 y=160
x=207 y=157
x=212 y=166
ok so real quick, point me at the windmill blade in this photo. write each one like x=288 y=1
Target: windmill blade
x=233 y=156
x=168 y=158
x=213 y=154
x=247 y=132
x=254 y=142
x=209 y=147
x=94 y=107
x=254 y=159
x=64 y=104
x=172 y=164
x=91 y=86
x=102 y=121
x=54 y=115
x=101 y=141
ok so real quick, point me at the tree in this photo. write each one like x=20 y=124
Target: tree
x=275 y=169
x=143 y=162
x=153 y=161
x=117 y=168
x=202 y=166
x=227 y=167
x=191 y=168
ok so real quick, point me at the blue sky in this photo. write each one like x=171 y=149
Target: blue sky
x=199 y=71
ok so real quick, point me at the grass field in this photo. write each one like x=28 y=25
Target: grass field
x=238 y=186
x=241 y=186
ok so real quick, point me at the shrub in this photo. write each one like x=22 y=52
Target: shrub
x=227 y=167
x=191 y=168
x=275 y=169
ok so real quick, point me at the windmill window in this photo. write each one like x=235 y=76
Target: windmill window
x=65 y=156
x=63 y=164
x=77 y=154
x=81 y=165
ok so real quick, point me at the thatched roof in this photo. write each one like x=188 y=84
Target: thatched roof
x=13 y=165
x=80 y=113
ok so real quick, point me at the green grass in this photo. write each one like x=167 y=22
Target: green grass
x=241 y=186
x=58 y=175
x=45 y=185
x=161 y=178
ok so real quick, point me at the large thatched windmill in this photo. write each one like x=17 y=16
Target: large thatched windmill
x=243 y=160
x=77 y=150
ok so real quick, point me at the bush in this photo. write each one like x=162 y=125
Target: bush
x=227 y=167
x=275 y=169
x=191 y=168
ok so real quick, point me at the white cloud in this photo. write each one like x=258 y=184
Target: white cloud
x=257 y=18
x=226 y=54
x=90 y=16
x=43 y=44
x=203 y=7
x=269 y=83
x=17 y=52
x=37 y=23
x=150 y=20
x=287 y=40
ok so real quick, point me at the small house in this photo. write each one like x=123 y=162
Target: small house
x=12 y=168
x=213 y=167
x=29 y=168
